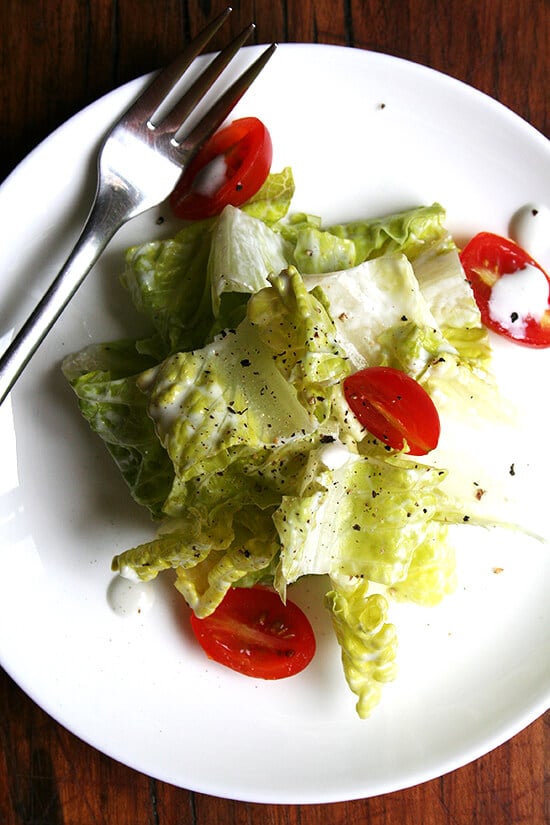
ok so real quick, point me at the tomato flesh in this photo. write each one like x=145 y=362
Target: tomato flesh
x=228 y=170
x=395 y=408
x=486 y=259
x=254 y=633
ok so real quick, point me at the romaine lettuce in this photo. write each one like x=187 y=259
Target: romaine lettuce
x=367 y=519
x=104 y=380
x=367 y=641
x=229 y=421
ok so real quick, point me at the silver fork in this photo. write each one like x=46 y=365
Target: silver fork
x=139 y=164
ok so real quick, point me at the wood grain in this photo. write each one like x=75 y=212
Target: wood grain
x=55 y=59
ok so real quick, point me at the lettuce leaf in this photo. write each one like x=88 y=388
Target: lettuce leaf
x=316 y=250
x=244 y=253
x=272 y=201
x=410 y=232
x=299 y=332
x=368 y=642
x=177 y=283
x=215 y=405
x=381 y=316
x=103 y=378
x=207 y=561
x=432 y=572
x=166 y=282
x=367 y=519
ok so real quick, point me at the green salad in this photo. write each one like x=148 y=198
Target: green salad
x=229 y=423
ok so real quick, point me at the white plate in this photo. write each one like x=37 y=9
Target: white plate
x=365 y=134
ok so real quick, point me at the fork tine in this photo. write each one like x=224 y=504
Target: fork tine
x=183 y=108
x=164 y=81
x=218 y=112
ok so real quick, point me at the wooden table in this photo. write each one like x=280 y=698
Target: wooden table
x=55 y=58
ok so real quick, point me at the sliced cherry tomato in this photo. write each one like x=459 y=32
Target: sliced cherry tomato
x=511 y=290
x=254 y=633
x=230 y=168
x=395 y=408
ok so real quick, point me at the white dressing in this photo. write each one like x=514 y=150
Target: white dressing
x=530 y=229
x=517 y=296
x=127 y=597
x=335 y=455
x=211 y=177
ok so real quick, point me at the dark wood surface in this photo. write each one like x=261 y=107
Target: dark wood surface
x=55 y=57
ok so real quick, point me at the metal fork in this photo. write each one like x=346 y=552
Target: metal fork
x=139 y=164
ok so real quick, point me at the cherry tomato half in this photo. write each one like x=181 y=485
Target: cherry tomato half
x=394 y=408
x=511 y=290
x=254 y=633
x=230 y=168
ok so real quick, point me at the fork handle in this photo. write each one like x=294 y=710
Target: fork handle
x=100 y=227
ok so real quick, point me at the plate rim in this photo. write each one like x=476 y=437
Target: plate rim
x=127 y=89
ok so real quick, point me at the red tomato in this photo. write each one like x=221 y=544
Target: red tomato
x=486 y=258
x=230 y=168
x=254 y=633
x=394 y=408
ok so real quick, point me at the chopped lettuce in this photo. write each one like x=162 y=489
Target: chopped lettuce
x=367 y=641
x=317 y=250
x=375 y=306
x=177 y=283
x=251 y=389
x=432 y=570
x=299 y=332
x=207 y=559
x=272 y=201
x=367 y=519
x=229 y=420
x=103 y=378
x=244 y=253
x=166 y=283
x=410 y=232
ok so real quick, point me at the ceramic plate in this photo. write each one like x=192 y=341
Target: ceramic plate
x=365 y=134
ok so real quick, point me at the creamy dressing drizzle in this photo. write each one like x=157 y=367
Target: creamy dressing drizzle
x=211 y=177
x=530 y=229
x=335 y=455
x=518 y=296
x=129 y=598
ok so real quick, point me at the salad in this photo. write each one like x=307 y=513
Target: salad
x=280 y=418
